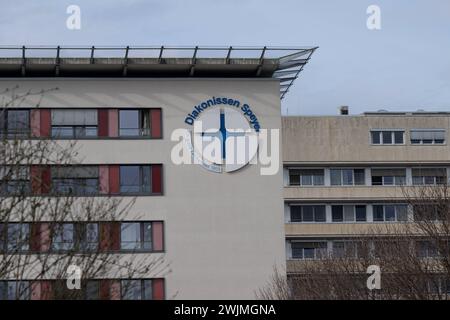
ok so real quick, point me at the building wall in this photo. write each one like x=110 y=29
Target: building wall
x=346 y=139
x=223 y=232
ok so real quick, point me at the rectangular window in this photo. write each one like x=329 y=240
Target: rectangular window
x=17 y=237
x=347 y=177
x=136 y=236
x=428 y=136
x=134 y=123
x=87 y=236
x=428 y=212
x=337 y=213
x=388 y=177
x=15 y=290
x=135 y=179
x=426 y=249
x=14 y=123
x=15 y=180
x=345 y=249
x=391 y=212
x=63 y=237
x=74 y=123
x=348 y=213
x=429 y=176
x=306 y=177
x=387 y=136
x=313 y=213
x=75 y=180
x=308 y=250
x=136 y=289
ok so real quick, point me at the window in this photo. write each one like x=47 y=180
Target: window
x=314 y=213
x=92 y=290
x=387 y=136
x=136 y=236
x=347 y=177
x=388 y=177
x=428 y=136
x=135 y=179
x=346 y=249
x=63 y=237
x=15 y=180
x=134 y=123
x=429 y=176
x=17 y=236
x=308 y=250
x=426 y=249
x=429 y=212
x=337 y=213
x=136 y=290
x=76 y=236
x=14 y=123
x=75 y=180
x=392 y=212
x=306 y=177
x=87 y=236
x=348 y=213
x=74 y=123
x=15 y=290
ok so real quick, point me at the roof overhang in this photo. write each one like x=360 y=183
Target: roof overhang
x=284 y=64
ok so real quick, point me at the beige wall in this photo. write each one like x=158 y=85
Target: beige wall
x=346 y=139
x=224 y=232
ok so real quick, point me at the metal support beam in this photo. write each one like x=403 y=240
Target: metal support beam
x=261 y=61
x=24 y=62
x=227 y=61
x=58 y=61
x=194 y=60
x=92 y=54
x=160 y=54
x=125 y=62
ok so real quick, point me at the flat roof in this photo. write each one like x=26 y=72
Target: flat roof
x=284 y=64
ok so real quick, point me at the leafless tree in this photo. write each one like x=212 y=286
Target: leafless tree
x=413 y=256
x=32 y=213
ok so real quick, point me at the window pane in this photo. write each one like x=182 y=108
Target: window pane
x=398 y=137
x=349 y=214
x=388 y=180
x=129 y=123
x=359 y=177
x=129 y=179
x=306 y=180
x=130 y=236
x=92 y=290
x=318 y=180
x=148 y=292
x=377 y=180
x=335 y=175
x=400 y=180
x=389 y=212
x=62 y=132
x=402 y=212
x=375 y=137
x=294 y=179
x=387 y=137
x=378 y=213
x=18 y=236
x=360 y=212
x=319 y=214
x=347 y=177
x=308 y=215
x=417 y=180
x=18 y=122
x=147 y=235
x=296 y=213
x=131 y=289
x=337 y=213
x=63 y=236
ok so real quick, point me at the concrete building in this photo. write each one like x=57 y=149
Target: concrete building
x=222 y=233
x=344 y=174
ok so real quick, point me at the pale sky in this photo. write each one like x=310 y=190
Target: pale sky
x=403 y=66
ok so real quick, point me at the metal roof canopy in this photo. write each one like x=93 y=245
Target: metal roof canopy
x=284 y=64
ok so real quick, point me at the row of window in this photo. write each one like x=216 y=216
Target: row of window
x=348 y=213
x=128 y=289
x=143 y=236
x=80 y=123
x=82 y=180
x=356 y=177
x=417 y=136
x=314 y=250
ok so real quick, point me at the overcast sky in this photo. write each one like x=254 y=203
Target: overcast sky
x=403 y=66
